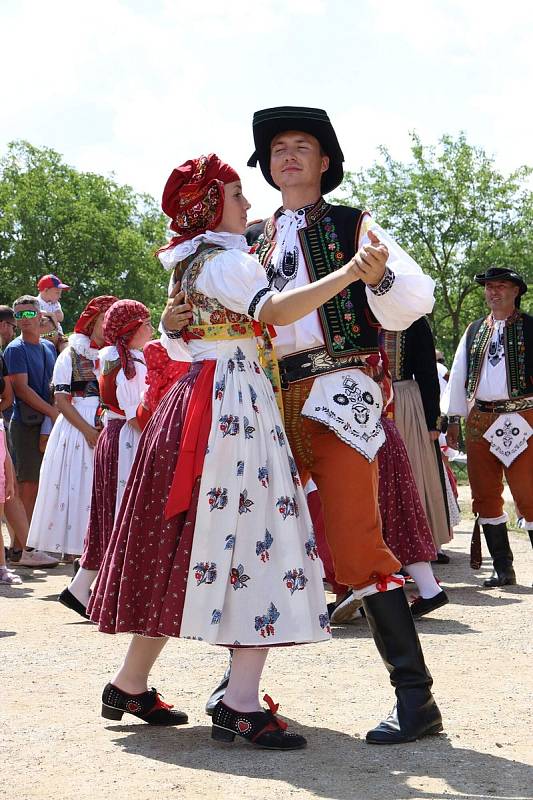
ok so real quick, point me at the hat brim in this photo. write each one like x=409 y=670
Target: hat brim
x=266 y=130
x=483 y=279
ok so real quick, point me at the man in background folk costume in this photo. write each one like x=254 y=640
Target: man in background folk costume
x=491 y=383
x=335 y=384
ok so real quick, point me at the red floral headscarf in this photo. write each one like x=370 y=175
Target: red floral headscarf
x=193 y=196
x=95 y=307
x=121 y=322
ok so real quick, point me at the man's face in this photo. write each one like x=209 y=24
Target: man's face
x=295 y=160
x=500 y=296
x=30 y=324
x=8 y=330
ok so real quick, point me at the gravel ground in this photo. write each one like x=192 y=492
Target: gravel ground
x=55 y=745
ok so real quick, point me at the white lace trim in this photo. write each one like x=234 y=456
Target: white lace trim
x=229 y=241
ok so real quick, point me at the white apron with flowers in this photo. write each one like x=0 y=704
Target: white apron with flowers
x=254 y=576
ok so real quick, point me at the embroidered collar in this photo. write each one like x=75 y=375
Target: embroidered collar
x=511 y=319
x=229 y=241
x=81 y=344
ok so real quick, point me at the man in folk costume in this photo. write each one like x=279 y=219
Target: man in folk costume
x=333 y=380
x=491 y=383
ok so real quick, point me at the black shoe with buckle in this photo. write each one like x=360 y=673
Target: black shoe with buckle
x=425 y=605
x=262 y=728
x=148 y=706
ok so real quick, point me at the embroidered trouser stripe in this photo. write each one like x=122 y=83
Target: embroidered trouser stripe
x=348 y=486
x=485 y=471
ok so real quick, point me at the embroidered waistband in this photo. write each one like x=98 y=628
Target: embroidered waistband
x=310 y=363
x=505 y=406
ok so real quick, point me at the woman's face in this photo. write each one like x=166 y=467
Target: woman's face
x=97 y=335
x=47 y=329
x=141 y=336
x=234 y=217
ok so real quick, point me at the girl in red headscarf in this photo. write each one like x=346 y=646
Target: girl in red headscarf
x=213 y=540
x=126 y=329
x=61 y=512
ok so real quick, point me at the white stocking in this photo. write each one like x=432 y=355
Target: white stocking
x=422 y=574
x=243 y=687
x=81 y=584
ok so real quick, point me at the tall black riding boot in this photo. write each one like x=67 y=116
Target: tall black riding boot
x=502 y=555
x=415 y=713
x=218 y=693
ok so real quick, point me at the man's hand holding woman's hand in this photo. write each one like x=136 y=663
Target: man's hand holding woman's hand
x=370 y=261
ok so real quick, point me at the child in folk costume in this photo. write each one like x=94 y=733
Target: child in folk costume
x=126 y=329
x=61 y=514
x=214 y=540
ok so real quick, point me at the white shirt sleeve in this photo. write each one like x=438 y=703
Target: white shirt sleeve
x=62 y=374
x=454 y=402
x=411 y=294
x=130 y=392
x=176 y=348
x=237 y=280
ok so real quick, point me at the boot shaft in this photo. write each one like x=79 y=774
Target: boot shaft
x=497 y=538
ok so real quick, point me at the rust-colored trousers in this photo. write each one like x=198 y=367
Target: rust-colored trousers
x=348 y=487
x=485 y=471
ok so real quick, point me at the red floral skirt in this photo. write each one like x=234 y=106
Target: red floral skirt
x=141 y=585
x=405 y=526
x=104 y=493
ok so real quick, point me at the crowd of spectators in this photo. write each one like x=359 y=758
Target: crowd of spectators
x=31 y=338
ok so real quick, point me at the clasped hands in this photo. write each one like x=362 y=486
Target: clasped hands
x=370 y=261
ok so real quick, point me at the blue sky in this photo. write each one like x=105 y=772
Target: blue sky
x=133 y=88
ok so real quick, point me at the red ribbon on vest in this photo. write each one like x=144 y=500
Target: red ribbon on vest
x=194 y=438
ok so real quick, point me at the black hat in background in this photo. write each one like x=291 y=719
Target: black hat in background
x=270 y=122
x=502 y=274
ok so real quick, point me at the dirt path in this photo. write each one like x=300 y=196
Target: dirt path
x=55 y=745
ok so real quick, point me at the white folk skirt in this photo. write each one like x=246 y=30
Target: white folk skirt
x=254 y=576
x=61 y=514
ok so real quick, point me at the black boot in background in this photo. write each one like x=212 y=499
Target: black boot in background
x=218 y=693
x=502 y=556
x=416 y=713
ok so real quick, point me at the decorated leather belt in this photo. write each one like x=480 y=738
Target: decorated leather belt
x=311 y=363
x=505 y=406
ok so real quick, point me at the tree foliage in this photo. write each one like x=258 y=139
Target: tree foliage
x=452 y=210
x=97 y=236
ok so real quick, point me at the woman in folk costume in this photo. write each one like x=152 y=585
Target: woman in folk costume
x=126 y=329
x=214 y=540
x=61 y=514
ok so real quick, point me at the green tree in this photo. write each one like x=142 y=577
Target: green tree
x=98 y=236
x=456 y=214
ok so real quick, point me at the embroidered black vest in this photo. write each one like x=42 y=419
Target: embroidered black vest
x=328 y=242
x=518 y=346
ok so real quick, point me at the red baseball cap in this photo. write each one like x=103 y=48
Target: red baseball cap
x=51 y=282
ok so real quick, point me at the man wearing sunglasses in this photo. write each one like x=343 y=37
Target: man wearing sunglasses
x=30 y=363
